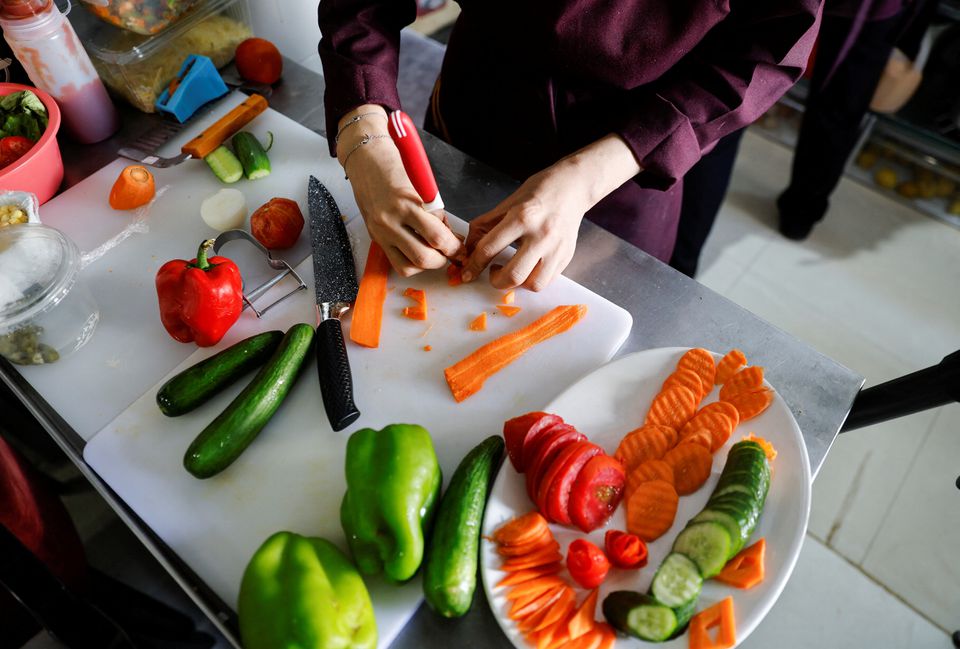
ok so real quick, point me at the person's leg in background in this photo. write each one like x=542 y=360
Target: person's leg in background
x=704 y=187
x=832 y=118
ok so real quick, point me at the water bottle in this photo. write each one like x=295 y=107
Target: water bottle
x=44 y=42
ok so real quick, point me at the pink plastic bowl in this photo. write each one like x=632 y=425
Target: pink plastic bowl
x=41 y=170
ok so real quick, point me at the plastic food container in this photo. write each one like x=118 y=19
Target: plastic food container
x=40 y=170
x=140 y=16
x=46 y=311
x=139 y=67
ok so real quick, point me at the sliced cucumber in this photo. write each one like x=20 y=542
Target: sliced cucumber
x=677 y=581
x=640 y=615
x=684 y=613
x=252 y=156
x=729 y=523
x=224 y=164
x=708 y=544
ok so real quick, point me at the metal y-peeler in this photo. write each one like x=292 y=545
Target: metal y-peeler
x=277 y=264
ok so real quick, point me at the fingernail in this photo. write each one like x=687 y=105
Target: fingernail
x=466 y=276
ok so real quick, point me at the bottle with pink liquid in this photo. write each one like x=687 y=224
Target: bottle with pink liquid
x=44 y=42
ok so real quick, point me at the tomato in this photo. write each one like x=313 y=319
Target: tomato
x=596 y=492
x=624 y=550
x=259 y=60
x=587 y=563
x=12 y=148
x=549 y=445
x=277 y=223
x=554 y=492
x=519 y=431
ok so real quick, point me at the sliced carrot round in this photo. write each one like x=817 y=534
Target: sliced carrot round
x=751 y=404
x=691 y=464
x=673 y=407
x=729 y=365
x=701 y=362
x=651 y=509
x=749 y=379
x=521 y=529
x=686 y=378
x=647 y=471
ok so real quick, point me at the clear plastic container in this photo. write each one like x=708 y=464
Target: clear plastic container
x=46 y=310
x=140 y=16
x=139 y=67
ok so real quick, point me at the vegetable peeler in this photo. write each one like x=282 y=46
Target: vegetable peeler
x=197 y=83
x=276 y=264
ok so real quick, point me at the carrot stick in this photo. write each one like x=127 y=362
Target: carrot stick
x=691 y=465
x=583 y=620
x=479 y=323
x=521 y=609
x=651 y=509
x=701 y=362
x=134 y=187
x=368 y=309
x=558 y=611
x=466 y=377
x=749 y=379
x=729 y=364
x=508 y=311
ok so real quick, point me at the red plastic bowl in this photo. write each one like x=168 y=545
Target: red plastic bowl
x=41 y=170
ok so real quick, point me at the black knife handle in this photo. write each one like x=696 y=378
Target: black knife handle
x=336 y=382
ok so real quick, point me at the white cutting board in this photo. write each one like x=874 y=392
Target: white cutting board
x=130 y=350
x=291 y=477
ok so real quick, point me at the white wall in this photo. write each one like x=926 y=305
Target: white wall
x=291 y=25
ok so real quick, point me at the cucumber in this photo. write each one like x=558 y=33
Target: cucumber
x=640 y=615
x=730 y=524
x=684 y=613
x=252 y=156
x=224 y=164
x=450 y=564
x=707 y=543
x=677 y=581
x=226 y=437
x=198 y=383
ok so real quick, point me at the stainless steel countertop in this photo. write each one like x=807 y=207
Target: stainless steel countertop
x=668 y=308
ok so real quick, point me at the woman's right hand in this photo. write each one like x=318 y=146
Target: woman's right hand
x=412 y=238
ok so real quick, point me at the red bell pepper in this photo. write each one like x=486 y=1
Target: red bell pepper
x=199 y=299
x=625 y=550
x=587 y=564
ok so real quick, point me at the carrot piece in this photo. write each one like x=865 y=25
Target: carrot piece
x=767 y=447
x=508 y=311
x=427 y=348
x=479 y=323
x=521 y=529
x=509 y=297
x=134 y=187
x=418 y=312
x=686 y=378
x=700 y=361
x=520 y=576
x=651 y=509
x=582 y=621
x=590 y=640
x=368 y=309
x=559 y=638
x=647 y=471
x=719 y=615
x=729 y=365
x=673 y=407
x=691 y=464
x=418 y=295
x=559 y=611
x=524 y=607
x=541 y=557
x=608 y=634
x=751 y=404
x=453 y=275
x=466 y=377
x=224 y=128
x=525 y=548
x=703 y=437
x=720 y=418
x=645 y=443
x=745 y=569
x=523 y=590
x=749 y=379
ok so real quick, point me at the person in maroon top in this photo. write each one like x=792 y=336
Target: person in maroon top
x=599 y=106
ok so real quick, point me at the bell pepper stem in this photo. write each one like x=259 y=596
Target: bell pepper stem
x=202 y=263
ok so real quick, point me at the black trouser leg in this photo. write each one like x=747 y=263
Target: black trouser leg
x=704 y=187
x=832 y=118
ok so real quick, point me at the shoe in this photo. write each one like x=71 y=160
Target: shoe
x=792 y=225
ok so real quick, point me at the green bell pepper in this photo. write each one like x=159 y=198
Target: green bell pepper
x=393 y=485
x=302 y=592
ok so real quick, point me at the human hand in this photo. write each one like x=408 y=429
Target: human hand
x=544 y=216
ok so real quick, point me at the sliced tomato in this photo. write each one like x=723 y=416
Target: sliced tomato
x=14 y=146
x=516 y=431
x=558 y=489
x=596 y=492
x=548 y=447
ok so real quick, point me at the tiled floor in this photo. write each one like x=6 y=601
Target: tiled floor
x=877 y=287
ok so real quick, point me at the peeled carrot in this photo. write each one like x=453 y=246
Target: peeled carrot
x=582 y=621
x=647 y=471
x=645 y=443
x=729 y=364
x=719 y=615
x=686 y=378
x=522 y=529
x=466 y=377
x=479 y=323
x=749 y=379
x=368 y=309
x=520 y=576
x=508 y=311
x=134 y=187
x=703 y=437
x=701 y=362
x=767 y=447
x=509 y=297
x=751 y=404
x=691 y=465
x=745 y=569
x=673 y=407
x=651 y=509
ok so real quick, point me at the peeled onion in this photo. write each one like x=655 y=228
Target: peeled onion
x=225 y=210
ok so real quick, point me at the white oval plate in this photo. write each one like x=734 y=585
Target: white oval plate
x=613 y=400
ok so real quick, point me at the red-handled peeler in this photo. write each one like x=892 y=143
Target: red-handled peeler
x=415 y=160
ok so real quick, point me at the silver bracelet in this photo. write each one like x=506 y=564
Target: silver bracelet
x=366 y=140
x=354 y=120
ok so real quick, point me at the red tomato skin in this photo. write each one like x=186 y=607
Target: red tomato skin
x=520 y=431
x=558 y=490
x=587 y=563
x=596 y=492
x=259 y=60
x=555 y=440
x=277 y=223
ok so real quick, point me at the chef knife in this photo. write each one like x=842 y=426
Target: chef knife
x=335 y=281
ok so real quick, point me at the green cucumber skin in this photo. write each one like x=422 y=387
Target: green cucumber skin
x=226 y=437
x=618 y=606
x=195 y=385
x=224 y=165
x=450 y=565
x=252 y=156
